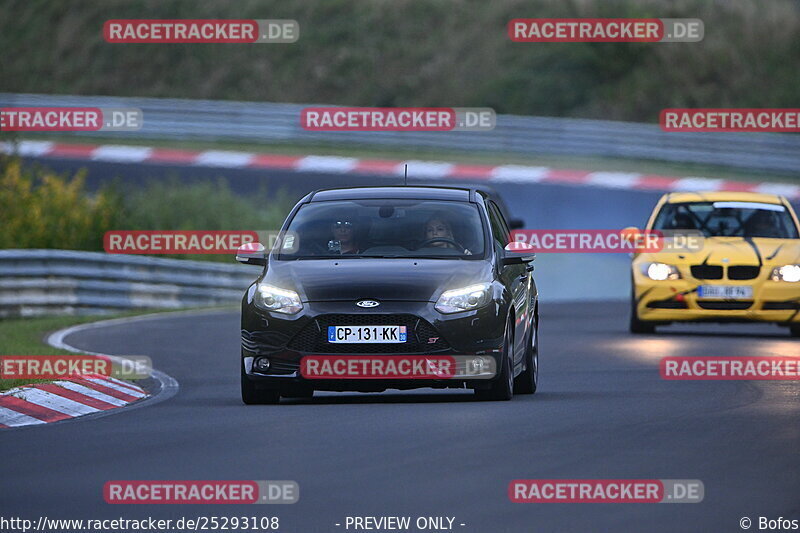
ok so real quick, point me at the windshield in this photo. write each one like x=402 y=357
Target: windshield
x=386 y=228
x=728 y=219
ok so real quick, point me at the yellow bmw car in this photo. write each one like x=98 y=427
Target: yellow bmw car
x=731 y=256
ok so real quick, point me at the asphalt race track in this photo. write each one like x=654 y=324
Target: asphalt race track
x=602 y=412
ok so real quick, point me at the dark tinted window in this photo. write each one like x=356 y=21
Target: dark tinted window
x=499 y=227
x=728 y=219
x=387 y=228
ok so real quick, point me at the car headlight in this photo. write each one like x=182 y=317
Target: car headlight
x=789 y=273
x=278 y=300
x=660 y=271
x=465 y=299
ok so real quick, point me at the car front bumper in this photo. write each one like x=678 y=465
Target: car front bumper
x=285 y=340
x=677 y=300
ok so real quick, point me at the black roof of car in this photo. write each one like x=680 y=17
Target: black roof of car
x=424 y=192
x=358 y=193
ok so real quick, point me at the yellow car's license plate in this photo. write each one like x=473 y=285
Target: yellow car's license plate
x=725 y=292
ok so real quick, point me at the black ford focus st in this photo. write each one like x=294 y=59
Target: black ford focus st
x=376 y=288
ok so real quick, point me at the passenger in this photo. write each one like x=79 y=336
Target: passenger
x=344 y=232
x=760 y=224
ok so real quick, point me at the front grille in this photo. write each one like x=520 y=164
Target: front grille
x=725 y=306
x=667 y=304
x=743 y=272
x=314 y=336
x=781 y=306
x=706 y=272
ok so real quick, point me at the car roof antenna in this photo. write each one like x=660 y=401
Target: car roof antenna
x=405 y=176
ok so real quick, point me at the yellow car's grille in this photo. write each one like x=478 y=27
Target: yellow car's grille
x=734 y=272
x=743 y=272
x=706 y=272
x=725 y=306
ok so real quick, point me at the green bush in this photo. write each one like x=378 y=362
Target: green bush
x=41 y=209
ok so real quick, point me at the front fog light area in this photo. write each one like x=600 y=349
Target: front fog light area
x=790 y=273
x=261 y=364
x=465 y=299
x=660 y=271
x=477 y=365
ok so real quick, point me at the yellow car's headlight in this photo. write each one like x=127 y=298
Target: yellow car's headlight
x=790 y=273
x=660 y=271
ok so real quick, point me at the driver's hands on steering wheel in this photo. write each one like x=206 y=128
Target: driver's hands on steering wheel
x=458 y=245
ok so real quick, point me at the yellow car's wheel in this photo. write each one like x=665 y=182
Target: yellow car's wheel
x=794 y=331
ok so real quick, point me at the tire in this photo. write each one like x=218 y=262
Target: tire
x=794 y=331
x=502 y=387
x=636 y=325
x=255 y=396
x=528 y=381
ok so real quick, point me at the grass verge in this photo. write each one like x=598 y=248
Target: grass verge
x=28 y=336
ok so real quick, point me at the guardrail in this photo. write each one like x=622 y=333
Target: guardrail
x=48 y=282
x=256 y=122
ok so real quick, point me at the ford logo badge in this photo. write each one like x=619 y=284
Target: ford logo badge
x=367 y=303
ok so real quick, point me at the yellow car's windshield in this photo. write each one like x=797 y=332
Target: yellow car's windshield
x=728 y=219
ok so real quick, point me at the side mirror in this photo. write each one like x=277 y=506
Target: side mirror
x=516 y=223
x=252 y=253
x=630 y=230
x=630 y=233
x=518 y=252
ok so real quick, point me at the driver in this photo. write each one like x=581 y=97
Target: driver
x=438 y=227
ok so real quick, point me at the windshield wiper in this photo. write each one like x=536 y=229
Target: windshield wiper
x=413 y=256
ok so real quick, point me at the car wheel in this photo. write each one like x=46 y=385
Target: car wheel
x=794 y=331
x=255 y=396
x=528 y=381
x=502 y=387
x=636 y=325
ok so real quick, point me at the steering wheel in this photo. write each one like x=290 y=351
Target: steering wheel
x=458 y=245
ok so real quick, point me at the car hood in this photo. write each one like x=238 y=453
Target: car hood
x=735 y=251
x=418 y=280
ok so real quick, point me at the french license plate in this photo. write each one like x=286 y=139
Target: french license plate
x=725 y=292
x=370 y=334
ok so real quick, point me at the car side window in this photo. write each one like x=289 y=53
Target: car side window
x=500 y=230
